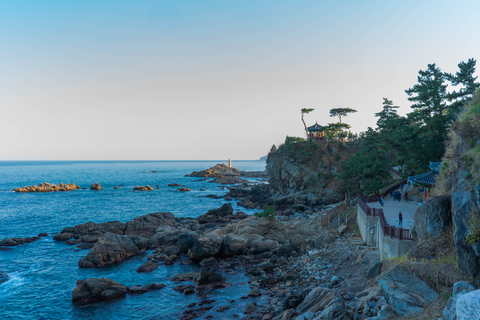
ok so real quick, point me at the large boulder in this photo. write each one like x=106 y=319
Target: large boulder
x=317 y=300
x=222 y=214
x=223 y=211
x=459 y=289
x=206 y=246
x=259 y=246
x=96 y=186
x=146 y=225
x=407 y=294
x=209 y=280
x=258 y=226
x=147 y=267
x=468 y=306
x=97 y=289
x=335 y=310
x=233 y=245
x=90 y=231
x=432 y=218
x=164 y=235
x=111 y=249
x=187 y=240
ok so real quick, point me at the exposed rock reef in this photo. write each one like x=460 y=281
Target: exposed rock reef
x=104 y=289
x=96 y=186
x=93 y=289
x=48 y=187
x=224 y=174
x=143 y=188
x=112 y=248
x=12 y=242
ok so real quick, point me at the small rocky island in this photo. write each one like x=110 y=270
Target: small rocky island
x=224 y=174
x=48 y=187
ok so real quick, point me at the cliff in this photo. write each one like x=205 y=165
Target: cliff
x=306 y=172
x=460 y=178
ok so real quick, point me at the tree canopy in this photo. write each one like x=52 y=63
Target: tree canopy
x=415 y=139
x=306 y=111
x=341 y=112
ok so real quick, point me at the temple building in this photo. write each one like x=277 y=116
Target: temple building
x=316 y=132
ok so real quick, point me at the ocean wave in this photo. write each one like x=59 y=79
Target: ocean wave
x=14 y=279
x=18 y=278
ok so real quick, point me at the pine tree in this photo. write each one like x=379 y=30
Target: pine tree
x=465 y=78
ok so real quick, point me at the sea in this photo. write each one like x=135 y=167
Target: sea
x=42 y=275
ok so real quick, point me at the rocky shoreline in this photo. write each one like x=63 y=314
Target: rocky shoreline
x=300 y=267
x=284 y=260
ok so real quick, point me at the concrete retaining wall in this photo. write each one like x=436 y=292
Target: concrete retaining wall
x=372 y=234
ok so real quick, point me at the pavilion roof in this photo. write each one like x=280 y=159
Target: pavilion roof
x=424 y=178
x=316 y=127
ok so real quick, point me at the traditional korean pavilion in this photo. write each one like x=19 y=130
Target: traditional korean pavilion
x=316 y=132
x=427 y=178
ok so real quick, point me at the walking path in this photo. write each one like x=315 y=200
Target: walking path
x=391 y=209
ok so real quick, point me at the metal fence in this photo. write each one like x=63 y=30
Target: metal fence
x=388 y=230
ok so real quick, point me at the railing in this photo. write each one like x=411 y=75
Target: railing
x=393 y=232
x=392 y=188
x=384 y=194
x=333 y=212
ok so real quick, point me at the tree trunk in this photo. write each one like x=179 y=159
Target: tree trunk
x=306 y=129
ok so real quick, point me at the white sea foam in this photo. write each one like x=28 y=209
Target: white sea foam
x=15 y=279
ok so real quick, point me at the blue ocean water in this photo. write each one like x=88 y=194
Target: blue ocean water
x=42 y=274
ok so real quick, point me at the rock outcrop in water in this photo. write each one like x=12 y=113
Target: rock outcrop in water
x=101 y=289
x=143 y=188
x=96 y=186
x=111 y=249
x=104 y=289
x=224 y=174
x=12 y=242
x=48 y=187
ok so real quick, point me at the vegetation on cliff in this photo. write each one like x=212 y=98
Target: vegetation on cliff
x=309 y=168
x=417 y=138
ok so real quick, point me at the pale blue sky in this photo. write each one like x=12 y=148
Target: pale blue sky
x=209 y=79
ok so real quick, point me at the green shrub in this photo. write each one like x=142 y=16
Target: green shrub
x=269 y=212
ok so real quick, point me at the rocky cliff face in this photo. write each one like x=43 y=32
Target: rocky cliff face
x=460 y=178
x=303 y=172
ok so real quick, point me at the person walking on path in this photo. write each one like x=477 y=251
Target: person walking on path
x=405 y=195
x=400 y=218
x=382 y=201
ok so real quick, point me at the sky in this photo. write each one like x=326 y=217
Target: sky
x=209 y=80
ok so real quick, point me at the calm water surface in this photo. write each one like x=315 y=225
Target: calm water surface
x=42 y=274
